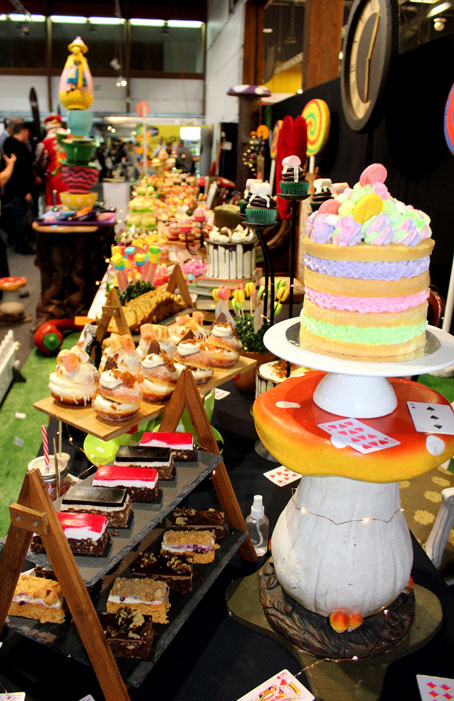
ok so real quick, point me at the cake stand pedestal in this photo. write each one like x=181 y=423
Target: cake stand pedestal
x=342 y=544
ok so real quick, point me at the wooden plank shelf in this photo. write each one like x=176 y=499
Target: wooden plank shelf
x=145 y=517
x=85 y=419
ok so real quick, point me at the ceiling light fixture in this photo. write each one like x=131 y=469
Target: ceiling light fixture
x=68 y=19
x=439 y=8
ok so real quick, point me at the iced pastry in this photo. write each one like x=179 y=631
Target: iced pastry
x=159 y=376
x=322 y=192
x=192 y=352
x=75 y=379
x=120 y=352
x=118 y=396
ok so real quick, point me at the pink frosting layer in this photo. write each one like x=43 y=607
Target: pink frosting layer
x=366 y=305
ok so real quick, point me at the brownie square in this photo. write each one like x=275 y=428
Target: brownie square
x=145 y=456
x=183 y=518
x=128 y=633
x=82 y=546
x=176 y=570
x=112 y=502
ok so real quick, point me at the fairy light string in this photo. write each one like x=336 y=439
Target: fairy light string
x=365 y=519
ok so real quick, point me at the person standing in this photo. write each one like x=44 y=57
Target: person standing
x=8 y=130
x=5 y=175
x=18 y=190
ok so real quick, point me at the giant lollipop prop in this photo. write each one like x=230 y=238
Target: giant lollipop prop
x=318 y=120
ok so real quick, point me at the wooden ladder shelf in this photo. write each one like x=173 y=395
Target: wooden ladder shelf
x=34 y=513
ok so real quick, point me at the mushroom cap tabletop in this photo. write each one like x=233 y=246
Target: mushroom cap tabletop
x=12 y=282
x=287 y=422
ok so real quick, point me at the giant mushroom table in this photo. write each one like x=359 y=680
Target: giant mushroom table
x=342 y=546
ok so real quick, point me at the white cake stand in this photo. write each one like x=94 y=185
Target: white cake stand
x=343 y=544
x=354 y=388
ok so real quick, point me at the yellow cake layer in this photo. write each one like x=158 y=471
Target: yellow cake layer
x=409 y=317
x=42 y=614
x=362 y=351
x=349 y=287
x=366 y=253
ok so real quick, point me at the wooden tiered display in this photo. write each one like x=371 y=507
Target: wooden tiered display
x=35 y=513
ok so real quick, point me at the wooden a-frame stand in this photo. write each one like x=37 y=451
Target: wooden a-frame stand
x=176 y=280
x=35 y=513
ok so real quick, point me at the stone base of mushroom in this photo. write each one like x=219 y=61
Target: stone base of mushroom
x=314 y=634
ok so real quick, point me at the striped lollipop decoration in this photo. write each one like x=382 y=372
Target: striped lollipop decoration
x=318 y=120
x=449 y=120
x=45 y=445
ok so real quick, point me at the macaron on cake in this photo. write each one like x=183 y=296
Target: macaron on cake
x=293 y=181
x=366 y=274
x=261 y=208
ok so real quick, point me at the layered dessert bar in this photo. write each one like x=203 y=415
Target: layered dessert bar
x=112 y=502
x=191 y=519
x=128 y=633
x=86 y=533
x=148 y=596
x=175 y=570
x=198 y=544
x=142 y=483
x=142 y=456
x=181 y=444
x=35 y=597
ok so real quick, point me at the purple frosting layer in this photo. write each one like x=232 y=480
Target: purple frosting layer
x=384 y=270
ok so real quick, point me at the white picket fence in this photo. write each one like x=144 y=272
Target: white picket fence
x=8 y=361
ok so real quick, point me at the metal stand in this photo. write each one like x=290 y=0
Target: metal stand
x=268 y=297
x=293 y=199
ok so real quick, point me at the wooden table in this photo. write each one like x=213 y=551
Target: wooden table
x=72 y=262
x=85 y=418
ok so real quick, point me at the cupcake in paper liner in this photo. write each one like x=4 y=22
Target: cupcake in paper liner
x=322 y=192
x=262 y=207
x=293 y=181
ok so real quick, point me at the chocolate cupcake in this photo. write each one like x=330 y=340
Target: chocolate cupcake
x=262 y=207
x=293 y=181
x=322 y=192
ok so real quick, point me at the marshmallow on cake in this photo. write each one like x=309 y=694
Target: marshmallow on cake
x=231 y=253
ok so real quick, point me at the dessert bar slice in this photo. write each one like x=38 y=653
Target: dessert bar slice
x=128 y=633
x=199 y=544
x=141 y=456
x=149 y=596
x=142 y=483
x=180 y=444
x=112 y=502
x=191 y=519
x=175 y=570
x=35 y=597
x=86 y=534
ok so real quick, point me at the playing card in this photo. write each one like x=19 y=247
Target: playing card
x=433 y=688
x=281 y=476
x=432 y=418
x=282 y=687
x=358 y=435
x=220 y=393
x=13 y=696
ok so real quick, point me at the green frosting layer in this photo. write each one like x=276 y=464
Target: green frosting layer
x=374 y=335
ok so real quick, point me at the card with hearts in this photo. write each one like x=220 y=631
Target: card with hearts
x=358 y=435
x=432 y=418
x=282 y=687
x=281 y=476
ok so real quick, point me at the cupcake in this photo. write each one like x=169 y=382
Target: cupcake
x=322 y=192
x=293 y=181
x=262 y=207
x=75 y=379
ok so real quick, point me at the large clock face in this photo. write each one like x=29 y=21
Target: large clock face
x=369 y=46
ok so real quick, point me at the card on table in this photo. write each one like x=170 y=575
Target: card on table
x=433 y=688
x=358 y=435
x=281 y=476
x=220 y=393
x=432 y=418
x=13 y=696
x=282 y=687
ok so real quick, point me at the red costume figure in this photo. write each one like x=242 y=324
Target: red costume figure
x=48 y=156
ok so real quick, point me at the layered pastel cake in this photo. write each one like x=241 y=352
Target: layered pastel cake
x=366 y=274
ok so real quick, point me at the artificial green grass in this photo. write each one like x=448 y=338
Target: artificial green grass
x=14 y=458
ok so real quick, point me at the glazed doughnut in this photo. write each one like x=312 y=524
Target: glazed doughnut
x=222 y=357
x=159 y=377
x=75 y=379
x=118 y=396
x=223 y=336
x=287 y=422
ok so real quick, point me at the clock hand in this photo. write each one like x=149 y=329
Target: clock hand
x=369 y=56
